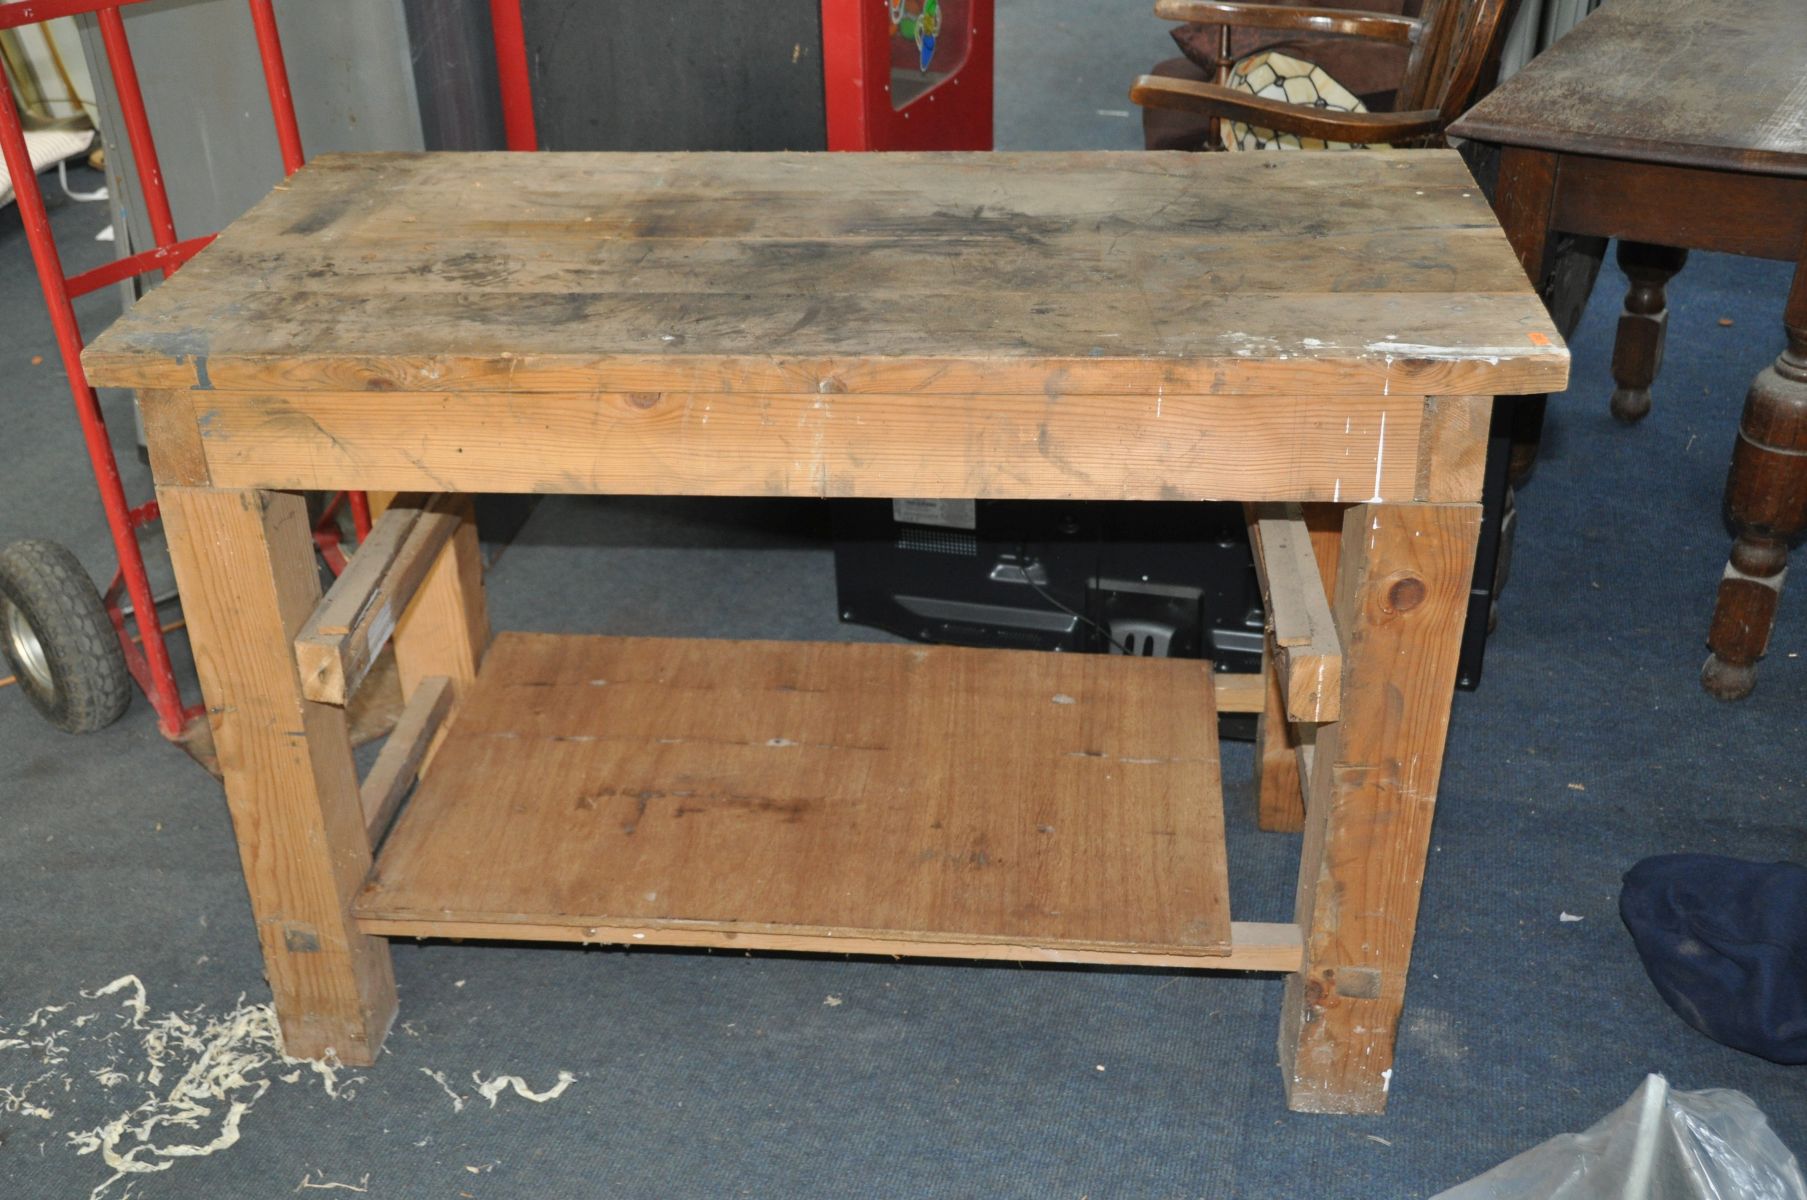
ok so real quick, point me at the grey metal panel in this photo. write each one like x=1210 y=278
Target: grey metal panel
x=676 y=74
x=455 y=74
x=203 y=87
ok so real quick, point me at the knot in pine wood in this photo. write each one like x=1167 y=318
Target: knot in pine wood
x=1405 y=594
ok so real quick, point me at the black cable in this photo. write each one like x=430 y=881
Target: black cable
x=1022 y=554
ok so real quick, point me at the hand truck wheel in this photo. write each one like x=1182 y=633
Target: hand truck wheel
x=57 y=638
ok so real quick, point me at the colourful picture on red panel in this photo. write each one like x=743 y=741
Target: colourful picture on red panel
x=907 y=74
x=929 y=41
x=921 y=26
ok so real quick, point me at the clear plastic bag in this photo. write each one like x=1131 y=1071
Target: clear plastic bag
x=1659 y=1145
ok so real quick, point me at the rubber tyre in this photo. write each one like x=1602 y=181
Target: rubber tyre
x=80 y=683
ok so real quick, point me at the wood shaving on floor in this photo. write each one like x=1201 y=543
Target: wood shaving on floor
x=324 y=1184
x=187 y=1079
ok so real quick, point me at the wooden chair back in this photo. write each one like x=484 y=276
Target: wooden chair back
x=1457 y=56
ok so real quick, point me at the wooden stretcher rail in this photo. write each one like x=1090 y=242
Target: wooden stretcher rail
x=1254 y=945
x=1238 y=693
x=399 y=763
x=355 y=619
x=1306 y=753
x=1310 y=657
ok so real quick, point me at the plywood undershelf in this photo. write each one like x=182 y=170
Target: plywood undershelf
x=857 y=798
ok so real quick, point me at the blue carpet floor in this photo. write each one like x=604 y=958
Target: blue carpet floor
x=1588 y=747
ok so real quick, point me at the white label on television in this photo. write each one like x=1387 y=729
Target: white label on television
x=954 y=514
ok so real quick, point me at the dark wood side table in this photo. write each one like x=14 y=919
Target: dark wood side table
x=1673 y=125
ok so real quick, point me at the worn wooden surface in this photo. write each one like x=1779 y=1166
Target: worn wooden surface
x=1524 y=199
x=1049 y=274
x=1664 y=81
x=245 y=564
x=1402 y=593
x=917 y=794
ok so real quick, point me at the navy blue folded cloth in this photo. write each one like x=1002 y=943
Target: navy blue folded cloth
x=1725 y=942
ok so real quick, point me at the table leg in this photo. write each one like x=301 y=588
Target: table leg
x=1766 y=501
x=1524 y=200
x=1402 y=592
x=1637 y=353
x=1279 y=804
x=245 y=564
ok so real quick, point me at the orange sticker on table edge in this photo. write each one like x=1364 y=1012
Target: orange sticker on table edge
x=1538 y=339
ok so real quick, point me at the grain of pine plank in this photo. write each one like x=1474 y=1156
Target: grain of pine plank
x=928 y=794
x=1118 y=447
x=1308 y=656
x=444 y=631
x=1452 y=451
x=1402 y=596
x=172 y=437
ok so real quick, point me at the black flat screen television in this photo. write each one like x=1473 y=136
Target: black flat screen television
x=1088 y=577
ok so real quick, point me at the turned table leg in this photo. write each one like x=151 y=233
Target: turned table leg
x=1638 y=351
x=1766 y=502
x=1402 y=592
x=245 y=563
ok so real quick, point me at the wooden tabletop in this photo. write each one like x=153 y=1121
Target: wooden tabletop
x=1722 y=86
x=954 y=274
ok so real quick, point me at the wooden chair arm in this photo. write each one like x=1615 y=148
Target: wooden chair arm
x=1328 y=22
x=1210 y=99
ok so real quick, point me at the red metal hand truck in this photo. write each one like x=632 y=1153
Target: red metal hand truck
x=70 y=648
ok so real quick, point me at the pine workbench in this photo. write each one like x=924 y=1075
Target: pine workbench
x=1319 y=336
